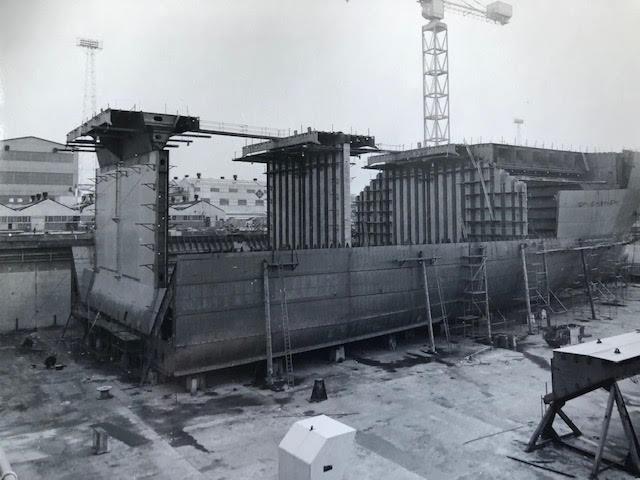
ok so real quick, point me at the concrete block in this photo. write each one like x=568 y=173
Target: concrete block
x=337 y=354
x=392 y=342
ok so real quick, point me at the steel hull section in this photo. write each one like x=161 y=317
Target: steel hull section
x=334 y=296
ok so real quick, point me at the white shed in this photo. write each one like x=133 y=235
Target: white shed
x=198 y=214
x=6 y=217
x=316 y=448
x=49 y=215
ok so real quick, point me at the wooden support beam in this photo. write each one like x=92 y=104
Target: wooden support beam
x=587 y=284
x=525 y=276
x=267 y=320
x=627 y=425
x=427 y=300
x=603 y=433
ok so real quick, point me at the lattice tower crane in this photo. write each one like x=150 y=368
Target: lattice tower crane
x=435 y=60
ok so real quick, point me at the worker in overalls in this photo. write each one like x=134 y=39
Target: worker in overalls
x=545 y=318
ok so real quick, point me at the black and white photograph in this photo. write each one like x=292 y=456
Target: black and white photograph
x=319 y=239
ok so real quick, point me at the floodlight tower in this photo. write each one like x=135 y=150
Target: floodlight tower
x=89 y=100
x=518 y=122
x=435 y=60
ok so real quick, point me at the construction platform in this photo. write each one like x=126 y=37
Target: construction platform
x=465 y=414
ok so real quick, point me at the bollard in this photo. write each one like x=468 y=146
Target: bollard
x=319 y=393
x=392 y=342
x=104 y=392
x=100 y=441
x=192 y=385
x=337 y=354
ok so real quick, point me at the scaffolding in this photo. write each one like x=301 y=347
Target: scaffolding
x=476 y=319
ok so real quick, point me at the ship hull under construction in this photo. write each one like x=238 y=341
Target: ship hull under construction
x=459 y=228
x=337 y=296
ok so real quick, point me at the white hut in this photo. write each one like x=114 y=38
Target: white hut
x=12 y=220
x=51 y=216
x=316 y=448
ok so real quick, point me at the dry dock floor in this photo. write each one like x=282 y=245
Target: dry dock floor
x=418 y=417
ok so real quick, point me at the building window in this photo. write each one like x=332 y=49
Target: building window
x=214 y=189
x=37 y=178
x=19 y=200
x=57 y=157
x=7 y=148
x=224 y=201
x=196 y=189
x=242 y=202
x=233 y=190
x=251 y=190
x=11 y=200
x=259 y=203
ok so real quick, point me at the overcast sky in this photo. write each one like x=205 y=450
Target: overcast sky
x=569 y=68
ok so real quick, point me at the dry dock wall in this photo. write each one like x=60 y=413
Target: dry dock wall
x=35 y=294
x=334 y=296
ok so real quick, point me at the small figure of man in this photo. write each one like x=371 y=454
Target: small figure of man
x=544 y=317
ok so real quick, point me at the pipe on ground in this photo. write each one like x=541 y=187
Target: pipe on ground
x=5 y=468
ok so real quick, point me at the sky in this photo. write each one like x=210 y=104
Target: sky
x=569 y=68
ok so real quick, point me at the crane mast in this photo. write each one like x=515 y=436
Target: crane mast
x=435 y=61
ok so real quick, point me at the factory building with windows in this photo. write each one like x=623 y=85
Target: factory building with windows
x=239 y=199
x=32 y=165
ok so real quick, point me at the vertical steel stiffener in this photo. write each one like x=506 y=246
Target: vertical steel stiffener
x=308 y=180
x=435 y=83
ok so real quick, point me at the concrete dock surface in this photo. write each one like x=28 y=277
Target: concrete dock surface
x=458 y=415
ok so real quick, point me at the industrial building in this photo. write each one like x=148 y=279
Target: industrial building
x=43 y=214
x=32 y=165
x=195 y=214
x=240 y=199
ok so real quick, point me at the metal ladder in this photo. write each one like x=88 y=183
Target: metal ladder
x=288 y=354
